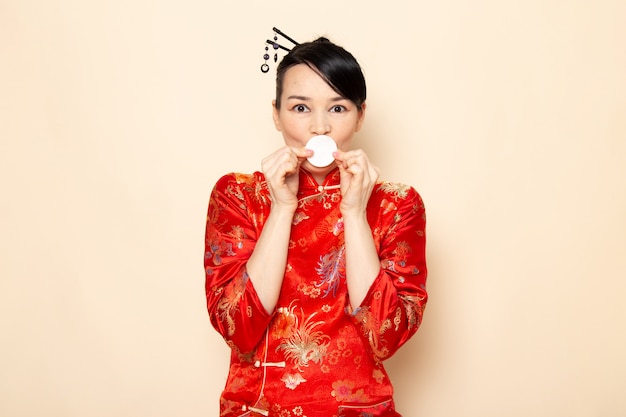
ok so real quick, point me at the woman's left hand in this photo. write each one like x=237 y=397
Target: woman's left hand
x=358 y=177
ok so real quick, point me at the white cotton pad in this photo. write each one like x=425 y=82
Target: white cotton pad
x=323 y=147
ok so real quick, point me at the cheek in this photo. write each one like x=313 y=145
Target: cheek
x=294 y=128
x=343 y=143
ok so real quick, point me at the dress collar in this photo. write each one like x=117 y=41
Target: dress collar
x=308 y=182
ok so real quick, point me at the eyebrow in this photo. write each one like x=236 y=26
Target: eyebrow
x=305 y=98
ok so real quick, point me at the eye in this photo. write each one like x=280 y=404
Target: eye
x=300 y=108
x=338 y=109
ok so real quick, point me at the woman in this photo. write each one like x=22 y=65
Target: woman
x=314 y=275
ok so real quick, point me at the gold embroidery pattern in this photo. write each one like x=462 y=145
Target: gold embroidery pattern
x=397 y=190
x=371 y=330
x=413 y=308
x=228 y=304
x=305 y=344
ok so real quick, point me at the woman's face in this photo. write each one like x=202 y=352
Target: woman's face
x=310 y=107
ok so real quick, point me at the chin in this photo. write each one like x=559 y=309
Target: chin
x=311 y=168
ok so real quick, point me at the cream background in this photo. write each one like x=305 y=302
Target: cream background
x=117 y=117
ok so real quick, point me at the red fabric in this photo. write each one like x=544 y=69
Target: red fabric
x=332 y=356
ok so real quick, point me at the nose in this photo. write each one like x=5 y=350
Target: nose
x=320 y=124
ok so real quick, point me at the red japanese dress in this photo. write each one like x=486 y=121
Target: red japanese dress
x=313 y=356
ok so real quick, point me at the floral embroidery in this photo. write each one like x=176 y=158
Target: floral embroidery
x=216 y=248
x=238 y=234
x=388 y=264
x=387 y=206
x=338 y=227
x=276 y=408
x=298 y=217
x=402 y=250
x=284 y=323
x=343 y=391
x=309 y=290
x=332 y=269
x=396 y=190
x=292 y=380
x=378 y=376
x=305 y=344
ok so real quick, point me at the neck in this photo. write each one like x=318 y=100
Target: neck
x=320 y=174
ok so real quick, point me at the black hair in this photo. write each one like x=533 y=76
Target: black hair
x=335 y=65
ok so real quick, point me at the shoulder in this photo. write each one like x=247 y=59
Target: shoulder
x=249 y=191
x=398 y=192
x=240 y=181
x=397 y=199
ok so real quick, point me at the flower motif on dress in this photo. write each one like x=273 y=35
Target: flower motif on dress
x=332 y=269
x=216 y=248
x=338 y=227
x=378 y=376
x=305 y=343
x=298 y=217
x=292 y=380
x=310 y=290
x=387 y=206
x=402 y=250
x=396 y=190
x=388 y=264
x=343 y=391
x=238 y=233
x=279 y=412
x=284 y=323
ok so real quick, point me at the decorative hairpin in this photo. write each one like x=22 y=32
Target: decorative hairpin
x=276 y=46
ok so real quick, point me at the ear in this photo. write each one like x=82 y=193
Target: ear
x=276 y=117
x=361 y=117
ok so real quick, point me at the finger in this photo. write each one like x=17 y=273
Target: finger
x=355 y=169
x=274 y=156
x=280 y=164
x=302 y=153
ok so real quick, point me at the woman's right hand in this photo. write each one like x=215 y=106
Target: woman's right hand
x=281 y=170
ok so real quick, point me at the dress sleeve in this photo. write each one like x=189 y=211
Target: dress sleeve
x=392 y=310
x=231 y=233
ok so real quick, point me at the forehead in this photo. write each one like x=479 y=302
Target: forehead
x=301 y=79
